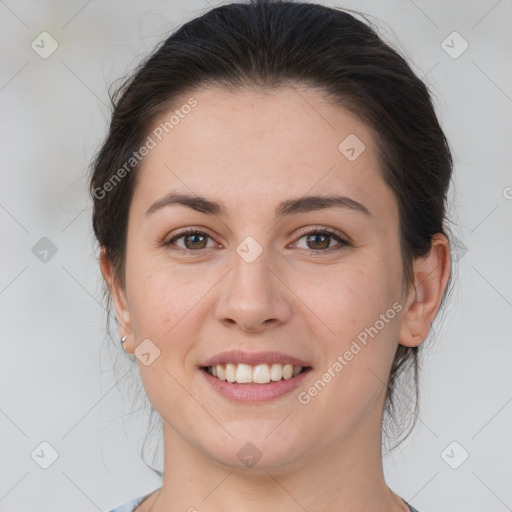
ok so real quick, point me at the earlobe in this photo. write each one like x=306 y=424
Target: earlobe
x=431 y=275
x=118 y=295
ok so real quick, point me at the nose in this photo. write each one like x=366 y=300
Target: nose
x=254 y=297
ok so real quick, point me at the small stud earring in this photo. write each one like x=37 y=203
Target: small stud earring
x=123 y=339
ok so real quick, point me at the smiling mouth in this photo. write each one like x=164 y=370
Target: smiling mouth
x=240 y=373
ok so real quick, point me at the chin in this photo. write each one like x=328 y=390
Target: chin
x=257 y=453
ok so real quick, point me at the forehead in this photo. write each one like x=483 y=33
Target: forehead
x=261 y=148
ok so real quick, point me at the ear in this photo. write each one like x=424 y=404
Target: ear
x=431 y=275
x=119 y=297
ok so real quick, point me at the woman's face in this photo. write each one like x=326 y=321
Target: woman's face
x=256 y=282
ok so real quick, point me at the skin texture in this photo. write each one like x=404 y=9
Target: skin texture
x=252 y=151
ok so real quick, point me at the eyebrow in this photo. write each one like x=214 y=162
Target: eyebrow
x=288 y=207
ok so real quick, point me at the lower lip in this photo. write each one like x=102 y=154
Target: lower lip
x=255 y=392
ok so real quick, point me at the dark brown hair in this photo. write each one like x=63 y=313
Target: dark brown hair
x=263 y=45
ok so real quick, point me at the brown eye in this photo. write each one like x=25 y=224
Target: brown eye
x=193 y=240
x=318 y=241
x=197 y=240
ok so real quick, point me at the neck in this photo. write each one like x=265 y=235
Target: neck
x=345 y=475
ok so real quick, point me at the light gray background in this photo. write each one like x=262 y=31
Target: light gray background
x=56 y=380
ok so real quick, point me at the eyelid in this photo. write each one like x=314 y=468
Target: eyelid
x=323 y=229
x=185 y=231
x=310 y=230
x=343 y=241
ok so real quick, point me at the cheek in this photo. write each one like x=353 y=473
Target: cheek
x=159 y=294
x=162 y=311
x=352 y=297
x=168 y=306
x=360 y=306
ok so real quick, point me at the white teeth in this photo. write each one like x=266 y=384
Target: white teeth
x=287 y=371
x=276 y=372
x=230 y=372
x=259 y=374
x=243 y=374
x=221 y=371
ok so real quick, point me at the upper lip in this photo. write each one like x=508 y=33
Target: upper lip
x=254 y=358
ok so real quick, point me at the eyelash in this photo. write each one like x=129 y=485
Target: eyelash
x=310 y=252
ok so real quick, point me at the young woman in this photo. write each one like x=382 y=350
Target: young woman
x=270 y=206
